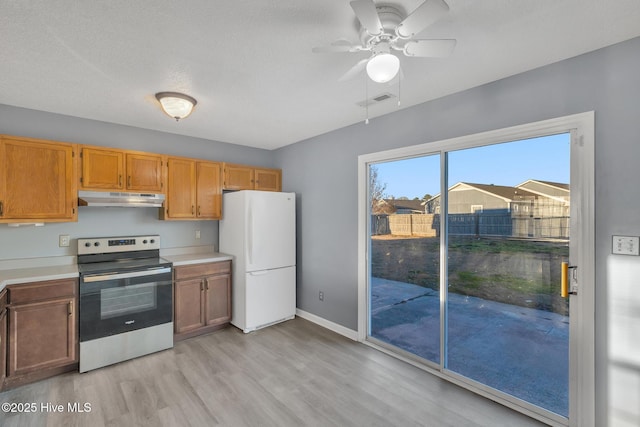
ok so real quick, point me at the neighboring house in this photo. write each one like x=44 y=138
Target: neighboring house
x=400 y=206
x=465 y=198
x=553 y=190
x=532 y=209
x=553 y=199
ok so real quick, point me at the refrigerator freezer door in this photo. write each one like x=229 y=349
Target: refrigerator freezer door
x=271 y=230
x=270 y=297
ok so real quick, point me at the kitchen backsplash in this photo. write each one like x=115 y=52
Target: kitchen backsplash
x=31 y=242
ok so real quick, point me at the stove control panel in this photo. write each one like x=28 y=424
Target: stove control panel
x=100 y=245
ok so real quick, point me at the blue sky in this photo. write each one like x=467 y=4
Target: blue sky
x=545 y=158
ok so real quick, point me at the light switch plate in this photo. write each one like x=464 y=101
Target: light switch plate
x=626 y=245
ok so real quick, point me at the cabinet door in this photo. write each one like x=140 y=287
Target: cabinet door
x=268 y=179
x=209 y=190
x=218 y=299
x=188 y=305
x=102 y=169
x=181 y=189
x=144 y=172
x=238 y=177
x=41 y=335
x=3 y=346
x=37 y=180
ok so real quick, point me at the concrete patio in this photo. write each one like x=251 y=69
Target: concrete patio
x=520 y=351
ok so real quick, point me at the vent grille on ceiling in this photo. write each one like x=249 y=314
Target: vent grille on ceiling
x=376 y=99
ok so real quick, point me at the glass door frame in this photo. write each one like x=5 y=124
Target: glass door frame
x=582 y=254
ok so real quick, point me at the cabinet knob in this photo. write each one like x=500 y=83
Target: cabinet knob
x=120 y=180
x=1 y=208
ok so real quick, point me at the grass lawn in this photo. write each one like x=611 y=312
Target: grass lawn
x=518 y=272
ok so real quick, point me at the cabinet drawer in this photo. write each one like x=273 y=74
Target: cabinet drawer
x=19 y=294
x=201 y=270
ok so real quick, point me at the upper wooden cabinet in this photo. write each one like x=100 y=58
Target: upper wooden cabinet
x=268 y=179
x=241 y=177
x=37 y=180
x=144 y=172
x=209 y=190
x=194 y=190
x=121 y=170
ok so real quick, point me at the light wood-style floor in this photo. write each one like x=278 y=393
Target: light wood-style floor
x=292 y=374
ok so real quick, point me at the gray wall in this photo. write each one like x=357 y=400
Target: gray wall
x=30 y=242
x=323 y=172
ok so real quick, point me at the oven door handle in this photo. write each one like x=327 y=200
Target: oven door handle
x=116 y=276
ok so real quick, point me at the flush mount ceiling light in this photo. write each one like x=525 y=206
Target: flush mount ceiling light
x=175 y=104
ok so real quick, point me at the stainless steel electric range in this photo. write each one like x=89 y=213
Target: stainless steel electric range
x=125 y=299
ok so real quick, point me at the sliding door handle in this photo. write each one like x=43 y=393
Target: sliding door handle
x=566 y=288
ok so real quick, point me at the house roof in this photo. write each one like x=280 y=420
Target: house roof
x=559 y=185
x=414 y=205
x=503 y=191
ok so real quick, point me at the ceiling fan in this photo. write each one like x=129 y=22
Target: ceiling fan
x=384 y=28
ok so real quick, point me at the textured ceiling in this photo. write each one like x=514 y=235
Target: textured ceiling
x=250 y=66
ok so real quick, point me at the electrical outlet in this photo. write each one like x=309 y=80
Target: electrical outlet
x=63 y=240
x=321 y=296
x=197 y=234
x=626 y=245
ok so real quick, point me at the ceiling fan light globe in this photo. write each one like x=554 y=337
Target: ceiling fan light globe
x=383 y=67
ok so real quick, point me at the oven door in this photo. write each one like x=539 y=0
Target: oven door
x=113 y=303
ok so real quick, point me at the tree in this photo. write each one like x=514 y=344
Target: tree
x=376 y=189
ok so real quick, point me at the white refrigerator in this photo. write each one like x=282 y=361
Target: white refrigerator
x=259 y=229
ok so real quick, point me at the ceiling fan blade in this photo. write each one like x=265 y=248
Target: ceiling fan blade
x=338 y=46
x=367 y=14
x=426 y=14
x=333 y=49
x=354 y=71
x=429 y=48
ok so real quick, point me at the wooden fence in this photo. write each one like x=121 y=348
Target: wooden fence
x=475 y=224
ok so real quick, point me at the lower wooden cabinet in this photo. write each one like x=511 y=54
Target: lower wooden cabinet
x=42 y=330
x=3 y=337
x=202 y=298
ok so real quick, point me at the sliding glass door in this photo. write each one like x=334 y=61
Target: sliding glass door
x=508 y=235
x=464 y=255
x=405 y=262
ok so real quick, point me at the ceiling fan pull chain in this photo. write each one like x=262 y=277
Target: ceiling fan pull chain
x=366 y=98
x=399 y=78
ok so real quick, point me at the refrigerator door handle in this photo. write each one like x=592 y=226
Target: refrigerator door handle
x=259 y=273
x=250 y=233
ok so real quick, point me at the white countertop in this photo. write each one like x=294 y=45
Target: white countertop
x=42 y=269
x=197 y=258
x=27 y=270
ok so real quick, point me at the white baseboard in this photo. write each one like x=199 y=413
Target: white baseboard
x=339 y=329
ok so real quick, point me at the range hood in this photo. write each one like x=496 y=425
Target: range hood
x=122 y=200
